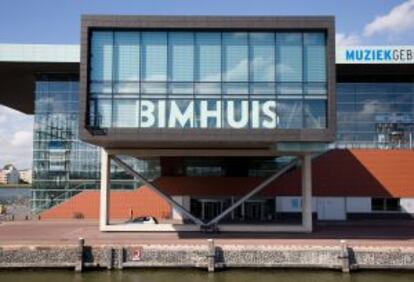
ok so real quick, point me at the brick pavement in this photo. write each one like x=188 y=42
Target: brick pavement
x=361 y=233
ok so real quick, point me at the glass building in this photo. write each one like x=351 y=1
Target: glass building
x=205 y=101
x=63 y=165
x=147 y=79
x=375 y=115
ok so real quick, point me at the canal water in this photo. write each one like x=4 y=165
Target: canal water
x=12 y=194
x=155 y=275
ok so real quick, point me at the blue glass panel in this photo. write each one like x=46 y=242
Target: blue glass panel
x=125 y=113
x=262 y=48
x=289 y=57
x=101 y=55
x=315 y=113
x=181 y=55
x=126 y=57
x=104 y=108
x=208 y=88
x=154 y=54
x=315 y=57
x=235 y=53
x=290 y=113
x=208 y=56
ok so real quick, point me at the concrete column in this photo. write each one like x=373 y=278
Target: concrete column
x=105 y=189
x=307 y=192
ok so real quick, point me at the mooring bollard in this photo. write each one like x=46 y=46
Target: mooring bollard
x=79 y=259
x=211 y=257
x=109 y=258
x=344 y=256
x=120 y=258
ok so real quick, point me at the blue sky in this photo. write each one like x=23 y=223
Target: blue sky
x=385 y=22
x=57 y=21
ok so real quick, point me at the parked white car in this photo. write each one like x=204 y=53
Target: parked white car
x=143 y=220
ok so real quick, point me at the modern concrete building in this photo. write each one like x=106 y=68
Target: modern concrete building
x=26 y=175
x=9 y=175
x=235 y=123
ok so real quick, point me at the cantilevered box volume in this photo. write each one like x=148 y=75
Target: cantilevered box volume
x=206 y=82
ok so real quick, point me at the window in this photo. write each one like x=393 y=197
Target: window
x=154 y=49
x=126 y=56
x=385 y=204
x=235 y=53
x=289 y=57
x=225 y=74
x=208 y=46
x=315 y=113
x=124 y=111
x=262 y=56
x=181 y=56
x=101 y=59
x=315 y=57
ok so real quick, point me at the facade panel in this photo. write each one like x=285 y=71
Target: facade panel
x=63 y=165
x=244 y=68
x=250 y=86
x=375 y=115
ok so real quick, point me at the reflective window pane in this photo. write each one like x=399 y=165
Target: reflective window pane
x=235 y=54
x=262 y=56
x=315 y=57
x=289 y=57
x=125 y=113
x=181 y=56
x=126 y=56
x=290 y=113
x=208 y=56
x=154 y=54
x=315 y=113
x=101 y=59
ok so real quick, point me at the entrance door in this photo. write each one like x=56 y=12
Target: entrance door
x=212 y=209
x=330 y=208
x=254 y=210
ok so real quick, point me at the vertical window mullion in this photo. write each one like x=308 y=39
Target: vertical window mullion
x=112 y=80
x=304 y=67
x=138 y=105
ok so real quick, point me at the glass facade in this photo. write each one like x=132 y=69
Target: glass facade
x=176 y=79
x=62 y=164
x=375 y=115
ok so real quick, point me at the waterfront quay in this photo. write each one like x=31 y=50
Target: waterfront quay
x=79 y=245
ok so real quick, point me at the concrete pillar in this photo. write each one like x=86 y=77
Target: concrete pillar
x=105 y=189
x=307 y=192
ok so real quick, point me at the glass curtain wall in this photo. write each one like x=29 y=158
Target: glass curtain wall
x=62 y=164
x=207 y=79
x=375 y=115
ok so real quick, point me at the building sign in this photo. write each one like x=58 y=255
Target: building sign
x=375 y=55
x=136 y=254
x=208 y=114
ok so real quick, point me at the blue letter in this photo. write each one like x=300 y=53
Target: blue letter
x=350 y=55
x=387 y=55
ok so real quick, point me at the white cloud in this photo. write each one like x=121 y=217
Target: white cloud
x=22 y=138
x=343 y=39
x=15 y=138
x=399 y=20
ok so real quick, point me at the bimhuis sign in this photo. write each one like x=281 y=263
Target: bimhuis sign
x=375 y=55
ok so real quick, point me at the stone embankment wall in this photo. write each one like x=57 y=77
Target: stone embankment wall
x=208 y=256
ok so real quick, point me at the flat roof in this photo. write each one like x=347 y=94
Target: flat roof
x=20 y=63
x=39 y=53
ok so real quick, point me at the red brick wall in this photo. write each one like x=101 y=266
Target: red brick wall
x=143 y=202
